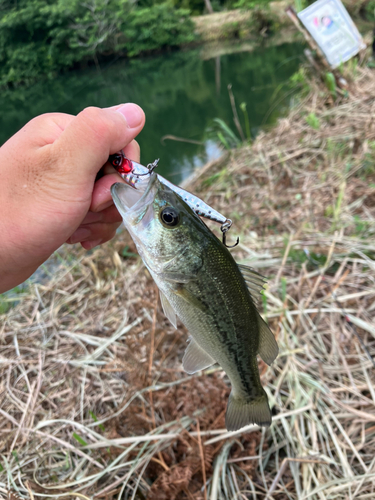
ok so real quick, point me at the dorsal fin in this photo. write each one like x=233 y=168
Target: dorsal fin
x=254 y=281
x=268 y=348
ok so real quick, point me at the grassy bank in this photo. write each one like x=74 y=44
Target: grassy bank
x=94 y=402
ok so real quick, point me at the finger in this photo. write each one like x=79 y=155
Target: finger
x=93 y=243
x=93 y=135
x=101 y=195
x=109 y=215
x=99 y=231
x=131 y=151
x=88 y=245
x=44 y=129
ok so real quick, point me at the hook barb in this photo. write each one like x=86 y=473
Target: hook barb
x=224 y=229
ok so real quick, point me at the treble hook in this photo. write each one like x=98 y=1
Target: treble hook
x=153 y=165
x=224 y=229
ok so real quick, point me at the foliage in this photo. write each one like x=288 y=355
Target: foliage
x=300 y=81
x=156 y=27
x=313 y=121
x=251 y=4
x=40 y=37
x=302 y=4
x=243 y=108
x=331 y=84
x=224 y=134
x=369 y=10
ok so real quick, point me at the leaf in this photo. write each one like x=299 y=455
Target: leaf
x=79 y=439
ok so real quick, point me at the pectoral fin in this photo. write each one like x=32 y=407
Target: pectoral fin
x=168 y=309
x=268 y=348
x=196 y=358
x=190 y=298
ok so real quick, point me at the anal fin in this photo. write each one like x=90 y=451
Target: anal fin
x=196 y=358
x=168 y=309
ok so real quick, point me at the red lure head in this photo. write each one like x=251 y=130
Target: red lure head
x=122 y=164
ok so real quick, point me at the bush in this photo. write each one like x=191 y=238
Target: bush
x=156 y=27
x=369 y=10
x=42 y=37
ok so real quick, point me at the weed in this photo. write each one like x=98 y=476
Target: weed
x=331 y=84
x=338 y=204
x=283 y=283
x=313 y=121
x=95 y=418
x=127 y=254
x=300 y=81
x=213 y=179
x=79 y=439
x=225 y=135
x=247 y=122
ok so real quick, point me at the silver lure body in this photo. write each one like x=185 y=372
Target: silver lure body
x=138 y=176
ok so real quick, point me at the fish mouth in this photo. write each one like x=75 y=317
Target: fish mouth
x=128 y=200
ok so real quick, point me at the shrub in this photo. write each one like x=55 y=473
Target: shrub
x=41 y=37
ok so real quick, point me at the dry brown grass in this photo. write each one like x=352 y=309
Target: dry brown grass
x=93 y=399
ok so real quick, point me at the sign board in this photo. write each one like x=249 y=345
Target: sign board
x=332 y=28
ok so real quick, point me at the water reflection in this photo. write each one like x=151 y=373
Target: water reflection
x=180 y=93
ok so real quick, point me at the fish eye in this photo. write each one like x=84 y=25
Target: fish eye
x=170 y=216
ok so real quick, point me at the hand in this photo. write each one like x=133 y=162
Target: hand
x=48 y=193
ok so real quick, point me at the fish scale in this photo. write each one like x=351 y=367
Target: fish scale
x=233 y=317
x=201 y=284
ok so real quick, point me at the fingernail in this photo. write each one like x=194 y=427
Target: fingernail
x=88 y=245
x=80 y=235
x=133 y=114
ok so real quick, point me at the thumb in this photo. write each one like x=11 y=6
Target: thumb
x=94 y=134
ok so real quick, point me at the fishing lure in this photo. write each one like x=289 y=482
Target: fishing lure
x=137 y=176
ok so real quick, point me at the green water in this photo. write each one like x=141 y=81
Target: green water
x=180 y=93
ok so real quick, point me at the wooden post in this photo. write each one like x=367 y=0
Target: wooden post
x=209 y=8
x=309 y=39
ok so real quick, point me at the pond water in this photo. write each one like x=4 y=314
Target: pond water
x=181 y=92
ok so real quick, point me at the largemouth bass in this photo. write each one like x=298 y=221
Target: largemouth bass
x=201 y=284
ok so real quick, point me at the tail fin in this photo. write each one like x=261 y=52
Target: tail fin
x=241 y=412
